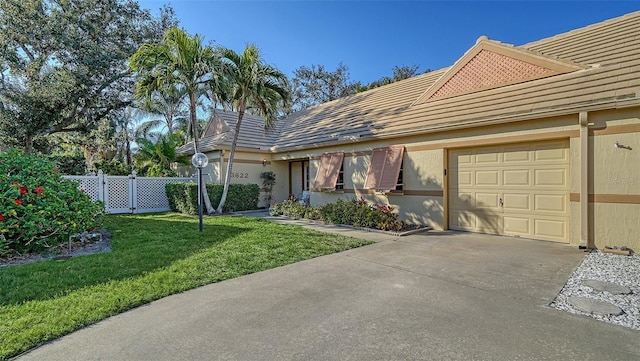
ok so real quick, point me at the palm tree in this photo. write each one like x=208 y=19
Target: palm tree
x=170 y=104
x=156 y=158
x=179 y=59
x=184 y=128
x=252 y=85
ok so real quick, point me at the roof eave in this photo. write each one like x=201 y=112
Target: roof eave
x=613 y=103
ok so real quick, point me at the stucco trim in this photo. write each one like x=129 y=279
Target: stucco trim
x=494 y=141
x=423 y=193
x=248 y=161
x=616 y=129
x=608 y=198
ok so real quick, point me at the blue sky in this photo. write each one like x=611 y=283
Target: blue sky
x=370 y=37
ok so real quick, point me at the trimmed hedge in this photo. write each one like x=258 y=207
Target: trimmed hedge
x=183 y=197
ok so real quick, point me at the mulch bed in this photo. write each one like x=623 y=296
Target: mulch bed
x=61 y=252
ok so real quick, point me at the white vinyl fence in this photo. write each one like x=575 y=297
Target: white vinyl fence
x=128 y=194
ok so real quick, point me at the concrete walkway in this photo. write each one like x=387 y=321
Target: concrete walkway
x=431 y=296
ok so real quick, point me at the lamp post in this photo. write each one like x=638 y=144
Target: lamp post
x=200 y=160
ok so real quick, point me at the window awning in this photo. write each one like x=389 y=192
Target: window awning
x=384 y=168
x=328 y=171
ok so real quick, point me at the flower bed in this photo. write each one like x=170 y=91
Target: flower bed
x=356 y=212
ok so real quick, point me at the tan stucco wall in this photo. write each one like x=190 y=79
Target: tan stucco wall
x=614 y=176
x=281 y=189
x=210 y=173
x=424 y=164
x=423 y=171
x=246 y=169
x=614 y=180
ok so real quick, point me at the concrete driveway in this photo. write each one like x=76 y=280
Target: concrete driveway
x=434 y=296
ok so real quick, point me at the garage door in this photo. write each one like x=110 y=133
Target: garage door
x=518 y=190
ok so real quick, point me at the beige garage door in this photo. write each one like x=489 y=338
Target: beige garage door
x=519 y=190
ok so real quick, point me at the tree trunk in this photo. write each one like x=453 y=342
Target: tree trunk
x=232 y=153
x=28 y=144
x=128 y=153
x=196 y=149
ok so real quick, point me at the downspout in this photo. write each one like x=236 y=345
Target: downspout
x=584 y=181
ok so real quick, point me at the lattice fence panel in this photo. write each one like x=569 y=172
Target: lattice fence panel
x=118 y=198
x=89 y=184
x=151 y=195
x=127 y=194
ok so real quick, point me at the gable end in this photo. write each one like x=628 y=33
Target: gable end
x=490 y=64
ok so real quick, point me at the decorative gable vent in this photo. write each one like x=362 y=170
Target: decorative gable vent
x=215 y=126
x=491 y=64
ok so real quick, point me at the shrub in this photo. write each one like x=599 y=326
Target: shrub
x=183 y=197
x=289 y=208
x=114 y=167
x=355 y=212
x=38 y=208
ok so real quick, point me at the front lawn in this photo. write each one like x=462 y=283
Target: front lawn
x=152 y=256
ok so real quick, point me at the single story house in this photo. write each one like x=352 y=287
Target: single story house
x=539 y=141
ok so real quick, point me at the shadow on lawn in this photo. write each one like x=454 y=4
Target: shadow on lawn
x=140 y=244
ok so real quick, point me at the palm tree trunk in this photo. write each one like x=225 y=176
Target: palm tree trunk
x=196 y=149
x=232 y=153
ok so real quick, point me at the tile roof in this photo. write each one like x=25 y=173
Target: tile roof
x=219 y=133
x=607 y=59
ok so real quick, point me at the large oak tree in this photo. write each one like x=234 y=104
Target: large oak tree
x=64 y=64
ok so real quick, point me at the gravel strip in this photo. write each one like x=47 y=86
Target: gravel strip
x=621 y=270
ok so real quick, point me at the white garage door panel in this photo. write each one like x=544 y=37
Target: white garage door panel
x=517 y=201
x=487 y=178
x=551 y=177
x=556 y=203
x=514 y=154
x=520 y=189
x=461 y=219
x=516 y=178
x=517 y=225
x=550 y=229
x=487 y=200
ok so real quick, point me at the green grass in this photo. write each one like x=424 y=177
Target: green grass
x=152 y=256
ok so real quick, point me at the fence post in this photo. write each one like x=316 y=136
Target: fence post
x=101 y=192
x=133 y=192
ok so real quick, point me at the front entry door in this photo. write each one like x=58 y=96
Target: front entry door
x=298 y=177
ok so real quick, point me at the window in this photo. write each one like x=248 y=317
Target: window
x=340 y=182
x=400 y=183
x=385 y=169
x=306 y=175
x=329 y=171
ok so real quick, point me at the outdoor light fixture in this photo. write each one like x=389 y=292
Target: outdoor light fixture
x=200 y=160
x=264 y=162
x=621 y=146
